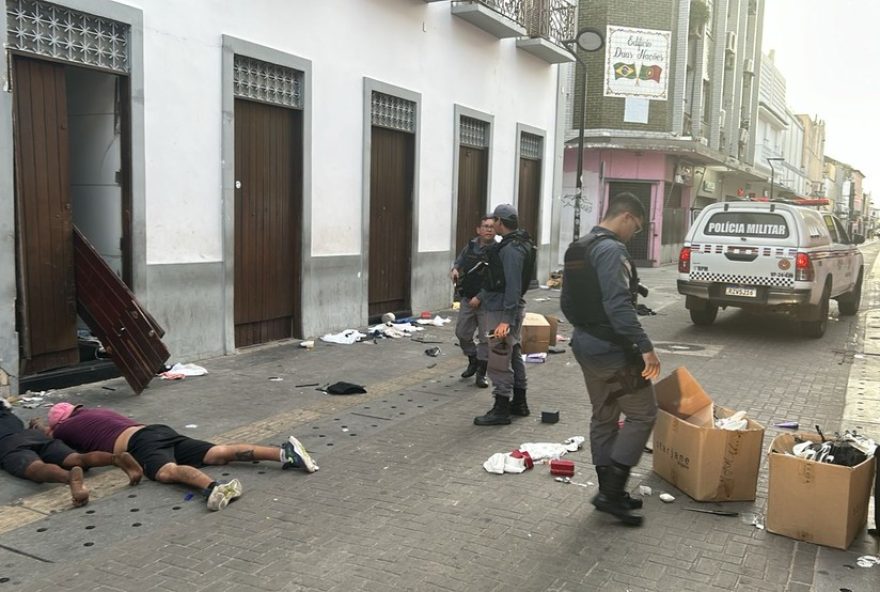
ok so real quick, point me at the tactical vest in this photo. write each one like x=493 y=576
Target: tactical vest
x=581 y=298
x=470 y=279
x=493 y=278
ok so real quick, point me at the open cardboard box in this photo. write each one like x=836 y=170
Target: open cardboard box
x=535 y=335
x=816 y=502
x=707 y=463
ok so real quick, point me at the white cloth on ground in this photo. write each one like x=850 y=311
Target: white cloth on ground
x=346 y=337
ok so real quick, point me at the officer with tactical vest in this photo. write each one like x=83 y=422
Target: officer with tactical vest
x=599 y=291
x=506 y=279
x=467 y=275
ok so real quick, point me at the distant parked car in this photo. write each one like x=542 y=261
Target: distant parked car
x=770 y=257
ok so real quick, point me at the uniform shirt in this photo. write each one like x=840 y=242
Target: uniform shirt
x=89 y=430
x=610 y=259
x=511 y=302
x=469 y=256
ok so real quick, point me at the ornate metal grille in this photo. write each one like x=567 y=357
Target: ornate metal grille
x=60 y=33
x=393 y=112
x=531 y=146
x=512 y=9
x=267 y=83
x=474 y=132
x=553 y=20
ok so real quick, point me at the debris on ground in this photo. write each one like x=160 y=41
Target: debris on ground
x=538 y=358
x=665 y=497
x=645 y=491
x=712 y=511
x=437 y=321
x=307 y=344
x=789 y=425
x=346 y=337
x=180 y=371
x=433 y=351
x=344 y=388
x=530 y=453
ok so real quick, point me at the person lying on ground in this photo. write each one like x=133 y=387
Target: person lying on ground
x=165 y=455
x=30 y=454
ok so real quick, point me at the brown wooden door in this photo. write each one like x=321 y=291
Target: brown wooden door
x=268 y=222
x=46 y=285
x=391 y=186
x=473 y=174
x=129 y=333
x=639 y=245
x=529 y=198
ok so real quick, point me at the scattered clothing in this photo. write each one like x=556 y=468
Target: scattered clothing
x=437 y=321
x=346 y=337
x=529 y=453
x=180 y=371
x=734 y=423
x=345 y=388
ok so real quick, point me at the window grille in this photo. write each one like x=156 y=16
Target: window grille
x=474 y=132
x=531 y=146
x=59 y=33
x=393 y=112
x=267 y=83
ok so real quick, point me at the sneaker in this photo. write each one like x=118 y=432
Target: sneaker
x=296 y=457
x=224 y=493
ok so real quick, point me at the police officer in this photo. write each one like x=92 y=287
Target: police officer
x=598 y=298
x=467 y=275
x=504 y=283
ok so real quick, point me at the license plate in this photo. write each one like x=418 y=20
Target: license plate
x=737 y=291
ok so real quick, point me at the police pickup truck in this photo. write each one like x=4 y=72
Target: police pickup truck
x=770 y=256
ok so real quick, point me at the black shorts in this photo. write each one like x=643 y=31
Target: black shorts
x=154 y=446
x=18 y=451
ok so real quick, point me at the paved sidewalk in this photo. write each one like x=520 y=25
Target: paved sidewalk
x=401 y=501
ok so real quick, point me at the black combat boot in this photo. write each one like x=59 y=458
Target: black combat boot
x=610 y=497
x=472 y=367
x=631 y=502
x=499 y=414
x=481 y=380
x=519 y=406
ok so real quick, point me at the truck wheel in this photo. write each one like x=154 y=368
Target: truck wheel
x=849 y=303
x=816 y=329
x=705 y=316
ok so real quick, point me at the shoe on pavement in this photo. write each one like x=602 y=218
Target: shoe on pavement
x=223 y=493
x=296 y=457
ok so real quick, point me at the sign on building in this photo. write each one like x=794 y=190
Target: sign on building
x=637 y=62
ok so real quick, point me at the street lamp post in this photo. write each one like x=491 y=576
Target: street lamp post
x=772 y=173
x=588 y=39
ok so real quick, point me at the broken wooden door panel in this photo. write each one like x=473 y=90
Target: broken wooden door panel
x=46 y=292
x=128 y=332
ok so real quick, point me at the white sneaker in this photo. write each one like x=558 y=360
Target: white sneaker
x=223 y=494
x=295 y=456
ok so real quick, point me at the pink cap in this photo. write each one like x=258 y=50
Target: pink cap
x=59 y=412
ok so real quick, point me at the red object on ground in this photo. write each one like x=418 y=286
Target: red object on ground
x=563 y=468
x=426 y=314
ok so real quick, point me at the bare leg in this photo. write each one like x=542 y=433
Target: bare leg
x=40 y=472
x=132 y=468
x=225 y=453
x=191 y=476
x=124 y=461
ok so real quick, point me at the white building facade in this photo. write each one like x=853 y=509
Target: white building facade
x=352 y=133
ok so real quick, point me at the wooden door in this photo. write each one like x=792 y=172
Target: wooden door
x=473 y=175
x=268 y=222
x=529 y=199
x=44 y=230
x=639 y=245
x=391 y=215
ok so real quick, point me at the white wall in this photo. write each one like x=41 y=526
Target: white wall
x=415 y=45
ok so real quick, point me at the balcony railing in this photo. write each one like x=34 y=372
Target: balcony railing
x=553 y=20
x=512 y=9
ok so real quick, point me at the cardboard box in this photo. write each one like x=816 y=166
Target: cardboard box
x=554 y=327
x=535 y=335
x=816 y=502
x=703 y=461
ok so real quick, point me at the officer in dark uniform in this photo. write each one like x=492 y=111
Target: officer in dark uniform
x=505 y=281
x=467 y=275
x=599 y=291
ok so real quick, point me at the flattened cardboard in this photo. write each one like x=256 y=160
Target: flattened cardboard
x=535 y=335
x=816 y=502
x=704 y=462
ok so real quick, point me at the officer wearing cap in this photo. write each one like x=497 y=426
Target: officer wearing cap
x=510 y=266
x=599 y=289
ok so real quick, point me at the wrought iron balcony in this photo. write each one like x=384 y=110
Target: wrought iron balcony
x=549 y=23
x=502 y=18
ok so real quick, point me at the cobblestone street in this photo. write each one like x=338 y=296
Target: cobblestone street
x=402 y=502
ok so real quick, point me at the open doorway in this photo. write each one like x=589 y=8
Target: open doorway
x=71 y=129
